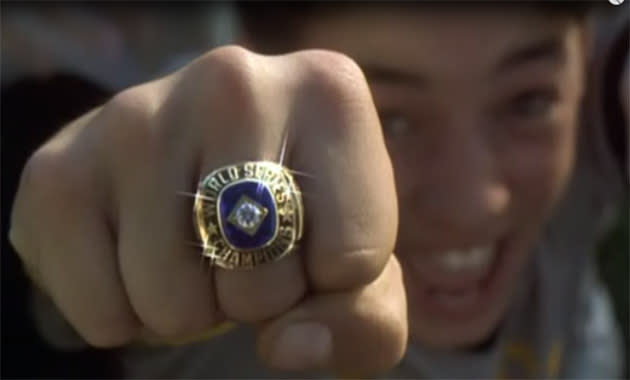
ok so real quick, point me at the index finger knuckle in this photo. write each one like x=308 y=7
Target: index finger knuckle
x=228 y=76
x=334 y=77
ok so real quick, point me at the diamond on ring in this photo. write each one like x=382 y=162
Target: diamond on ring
x=248 y=214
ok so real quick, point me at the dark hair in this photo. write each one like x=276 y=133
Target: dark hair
x=274 y=27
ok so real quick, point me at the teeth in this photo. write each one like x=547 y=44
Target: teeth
x=457 y=260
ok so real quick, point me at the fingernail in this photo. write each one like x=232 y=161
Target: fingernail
x=302 y=346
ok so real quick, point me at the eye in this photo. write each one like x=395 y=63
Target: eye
x=535 y=104
x=395 y=125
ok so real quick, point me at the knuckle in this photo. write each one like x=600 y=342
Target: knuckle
x=352 y=268
x=18 y=241
x=133 y=105
x=333 y=65
x=334 y=76
x=36 y=170
x=228 y=87
x=45 y=181
x=128 y=122
x=226 y=57
x=230 y=74
x=44 y=189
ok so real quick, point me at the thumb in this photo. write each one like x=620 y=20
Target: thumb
x=360 y=332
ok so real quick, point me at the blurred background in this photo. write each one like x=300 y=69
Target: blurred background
x=50 y=53
x=113 y=44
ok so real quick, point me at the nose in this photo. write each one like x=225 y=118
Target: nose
x=459 y=188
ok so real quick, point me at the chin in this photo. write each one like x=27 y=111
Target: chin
x=448 y=335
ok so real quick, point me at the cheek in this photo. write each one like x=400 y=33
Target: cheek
x=406 y=174
x=537 y=171
x=405 y=168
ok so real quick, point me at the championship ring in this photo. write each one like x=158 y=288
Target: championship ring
x=248 y=214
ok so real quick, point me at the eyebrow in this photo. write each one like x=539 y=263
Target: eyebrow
x=550 y=48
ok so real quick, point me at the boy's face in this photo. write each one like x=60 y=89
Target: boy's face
x=479 y=111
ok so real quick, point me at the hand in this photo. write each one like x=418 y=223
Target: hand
x=102 y=228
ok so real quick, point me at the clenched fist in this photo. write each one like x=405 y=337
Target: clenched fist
x=102 y=228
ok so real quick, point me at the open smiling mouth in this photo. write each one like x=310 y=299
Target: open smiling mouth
x=459 y=284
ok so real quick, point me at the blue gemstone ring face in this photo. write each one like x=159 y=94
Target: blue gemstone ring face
x=248 y=214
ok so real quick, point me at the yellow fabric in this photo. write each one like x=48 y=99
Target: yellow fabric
x=205 y=335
